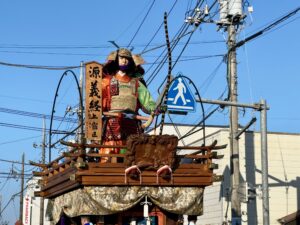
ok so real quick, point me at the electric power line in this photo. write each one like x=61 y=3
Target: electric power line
x=14 y=162
x=141 y=23
x=11 y=125
x=13 y=196
x=37 y=115
x=266 y=29
x=160 y=26
x=19 y=140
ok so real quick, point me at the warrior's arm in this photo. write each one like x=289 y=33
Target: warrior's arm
x=145 y=98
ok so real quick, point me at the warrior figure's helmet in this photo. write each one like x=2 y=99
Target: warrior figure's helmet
x=135 y=61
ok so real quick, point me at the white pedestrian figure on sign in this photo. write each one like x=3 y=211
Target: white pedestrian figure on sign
x=181 y=90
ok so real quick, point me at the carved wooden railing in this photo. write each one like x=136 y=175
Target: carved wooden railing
x=76 y=168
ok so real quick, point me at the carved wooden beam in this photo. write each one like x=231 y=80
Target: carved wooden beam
x=41 y=165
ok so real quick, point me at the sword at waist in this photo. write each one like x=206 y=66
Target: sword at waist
x=126 y=115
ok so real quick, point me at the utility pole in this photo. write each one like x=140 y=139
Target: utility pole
x=234 y=142
x=22 y=188
x=43 y=162
x=231 y=16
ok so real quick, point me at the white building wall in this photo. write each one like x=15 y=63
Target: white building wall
x=212 y=206
x=31 y=206
x=214 y=198
x=284 y=175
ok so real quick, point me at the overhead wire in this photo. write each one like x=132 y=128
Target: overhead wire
x=261 y=32
x=141 y=23
x=191 y=131
x=182 y=30
x=184 y=47
x=266 y=29
x=66 y=135
x=210 y=77
x=175 y=64
x=177 y=61
x=176 y=130
x=161 y=63
x=284 y=24
x=180 y=34
x=41 y=67
x=36 y=115
x=208 y=115
x=19 y=140
x=11 y=125
x=14 y=162
x=189 y=5
x=16 y=46
x=13 y=196
x=248 y=72
x=190 y=58
x=4 y=183
x=207 y=82
x=164 y=45
x=159 y=67
x=15 y=210
x=160 y=26
x=49 y=53
x=94 y=47
x=26 y=99
x=17 y=174
x=44 y=67
x=72 y=67
x=25 y=171
x=131 y=24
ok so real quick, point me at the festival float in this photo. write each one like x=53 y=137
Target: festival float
x=140 y=180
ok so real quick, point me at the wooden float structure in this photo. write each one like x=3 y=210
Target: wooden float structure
x=76 y=169
x=80 y=169
x=154 y=168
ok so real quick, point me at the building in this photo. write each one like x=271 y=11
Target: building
x=31 y=205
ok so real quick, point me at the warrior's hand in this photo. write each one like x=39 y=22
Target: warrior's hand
x=160 y=109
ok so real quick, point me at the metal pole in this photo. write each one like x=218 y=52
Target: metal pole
x=264 y=163
x=22 y=188
x=253 y=120
x=255 y=106
x=43 y=162
x=234 y=143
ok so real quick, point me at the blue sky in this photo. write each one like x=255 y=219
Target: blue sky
x=64 y=33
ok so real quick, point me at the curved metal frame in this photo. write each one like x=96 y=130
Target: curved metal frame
x=53 y=107
x=198 y=94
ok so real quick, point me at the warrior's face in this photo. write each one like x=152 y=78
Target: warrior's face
x=123 y=61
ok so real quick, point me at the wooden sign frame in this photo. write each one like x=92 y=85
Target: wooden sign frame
x=93 y=101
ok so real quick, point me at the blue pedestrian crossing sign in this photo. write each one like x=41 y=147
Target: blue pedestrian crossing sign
x=180 y=97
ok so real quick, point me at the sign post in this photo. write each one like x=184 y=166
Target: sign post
x=93 y=101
